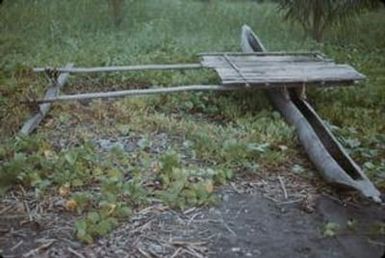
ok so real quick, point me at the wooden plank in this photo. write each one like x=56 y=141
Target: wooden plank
x=300 y=77
x=236 y=68
x=31 y=124
x=296 y=84
x=243 y=63
x=270 y=64
x=123 y=68
x=266 y=58
x=279 y=78
x=268 y=53
x=290 y=69
x=292 y=75
x=259 y=60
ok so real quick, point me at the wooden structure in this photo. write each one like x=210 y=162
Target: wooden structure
x=326 y=153
x=283 y=75
x=277 y=70
x=237 y=71
x=53 y=91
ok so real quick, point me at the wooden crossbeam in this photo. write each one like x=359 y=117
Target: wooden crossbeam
x=53 y=91
x=137 y=92
x=122 y=68
x=236 y=68
x=273 y=53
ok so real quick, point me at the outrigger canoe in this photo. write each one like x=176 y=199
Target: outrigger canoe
x=323 y=149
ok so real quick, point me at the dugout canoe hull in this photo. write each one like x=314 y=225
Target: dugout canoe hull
x=323 y=149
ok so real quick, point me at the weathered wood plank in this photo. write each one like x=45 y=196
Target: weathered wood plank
x=287 y=78
x=267 y=53
x=244 y=65
x=288 y=69
x=31 y=124
x=272 y=85
x=282 y=76
x=256 y=59
x=297 y=69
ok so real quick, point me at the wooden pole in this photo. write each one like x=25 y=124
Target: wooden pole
x=31 y=124
x=122 y=68
x=139 y=92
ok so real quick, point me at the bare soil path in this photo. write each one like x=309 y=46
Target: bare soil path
x=275 y=213
x=243 y=224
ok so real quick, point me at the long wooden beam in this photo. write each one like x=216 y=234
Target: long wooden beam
x=54 y=89
x=138 y=92
x=121 y=68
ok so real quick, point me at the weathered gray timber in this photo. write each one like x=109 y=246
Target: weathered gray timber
x=237 y=71
x=277 y=71
x=284 y=75
x=53 y=91
x=139 y=92
x=121 y=68
x=326 y=153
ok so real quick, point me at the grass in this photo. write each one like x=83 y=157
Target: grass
x=222 y=133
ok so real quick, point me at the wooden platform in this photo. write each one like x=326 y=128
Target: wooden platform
x=273 y=69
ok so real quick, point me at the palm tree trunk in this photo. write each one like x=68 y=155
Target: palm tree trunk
x=117 y=7
x=317 y=30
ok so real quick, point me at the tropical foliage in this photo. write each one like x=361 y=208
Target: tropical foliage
x=316 y=16
x=117 y=11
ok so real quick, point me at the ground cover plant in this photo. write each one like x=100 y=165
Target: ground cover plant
x=106 y=160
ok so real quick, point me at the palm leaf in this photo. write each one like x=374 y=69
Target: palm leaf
x=315 y=16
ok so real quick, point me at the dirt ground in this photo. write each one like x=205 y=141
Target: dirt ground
x=252 y=219
x=274 y=213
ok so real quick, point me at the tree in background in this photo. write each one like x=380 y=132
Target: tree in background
x=117 y=11
x=316 y=16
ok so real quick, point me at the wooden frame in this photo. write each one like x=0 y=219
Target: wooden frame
x=322 y=147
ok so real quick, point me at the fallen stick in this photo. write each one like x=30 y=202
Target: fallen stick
x=125 y=93
x=17 y=245
x=121 y=68
x=31 y=124
x=74 y=252
x=283 y=187
x=35 y=252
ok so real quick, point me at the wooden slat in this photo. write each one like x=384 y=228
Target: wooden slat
x=289 y=69
x=213 y=61
x=263 y=70
x=268 y=53
x=237 y=69
x=267 y=85
x=242 y=64
x=284 y=78
x=53 y=91
x=305 y=74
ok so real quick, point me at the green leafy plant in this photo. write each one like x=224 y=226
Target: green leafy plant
x=183 y=187
x=93 y=225
x=316 y=16
x=330 y=229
